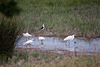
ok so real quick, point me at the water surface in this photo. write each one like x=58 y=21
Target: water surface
x=56 y=43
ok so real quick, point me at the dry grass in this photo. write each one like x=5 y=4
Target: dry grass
x=36 y=58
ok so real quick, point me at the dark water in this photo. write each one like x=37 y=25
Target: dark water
x=56 y=43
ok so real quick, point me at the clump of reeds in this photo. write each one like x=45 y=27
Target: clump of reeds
x=9 y=29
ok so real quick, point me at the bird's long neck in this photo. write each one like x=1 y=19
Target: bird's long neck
x=73 y=35
x=43 y=25
x=27 y=31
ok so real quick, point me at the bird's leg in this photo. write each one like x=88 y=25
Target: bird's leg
x=75 y=51
x=75 y=47
x=66 y=44
x=26 y=47
x=69 y=43
x=41 y=41
x=27 y=38
x=42 y=45
x=29 y=45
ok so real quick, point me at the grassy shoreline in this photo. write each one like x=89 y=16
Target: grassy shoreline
x=60 y=18
x=36 y=58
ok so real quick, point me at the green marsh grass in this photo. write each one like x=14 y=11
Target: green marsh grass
x=61 y=17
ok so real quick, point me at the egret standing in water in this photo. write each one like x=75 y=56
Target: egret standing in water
x=69 y=38
x=41 y=39
x=27 y=35
x=42 y=28
x=28 y=43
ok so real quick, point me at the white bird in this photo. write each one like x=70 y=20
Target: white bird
x=69 y=38
x=28 y=43
x=27 y=34
x=41 y=38
x=42 y=28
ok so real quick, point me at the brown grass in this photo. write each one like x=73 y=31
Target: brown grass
x=36 y=58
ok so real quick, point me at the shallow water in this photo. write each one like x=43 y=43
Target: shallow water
x=56 y=43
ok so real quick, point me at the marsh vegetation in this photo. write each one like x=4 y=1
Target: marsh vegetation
x=60 y=17
x=36 y=58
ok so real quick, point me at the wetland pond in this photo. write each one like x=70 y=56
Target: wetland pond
x=56 y=44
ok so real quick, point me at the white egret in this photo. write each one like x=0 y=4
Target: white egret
x=28 y=43
x=69 y=38
x=42 y=28
x=41 y=39
x=27 y=35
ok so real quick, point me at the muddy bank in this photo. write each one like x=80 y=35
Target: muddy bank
x=77 y=36
x=59 y=51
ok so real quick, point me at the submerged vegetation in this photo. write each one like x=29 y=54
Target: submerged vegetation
x=62 y=17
